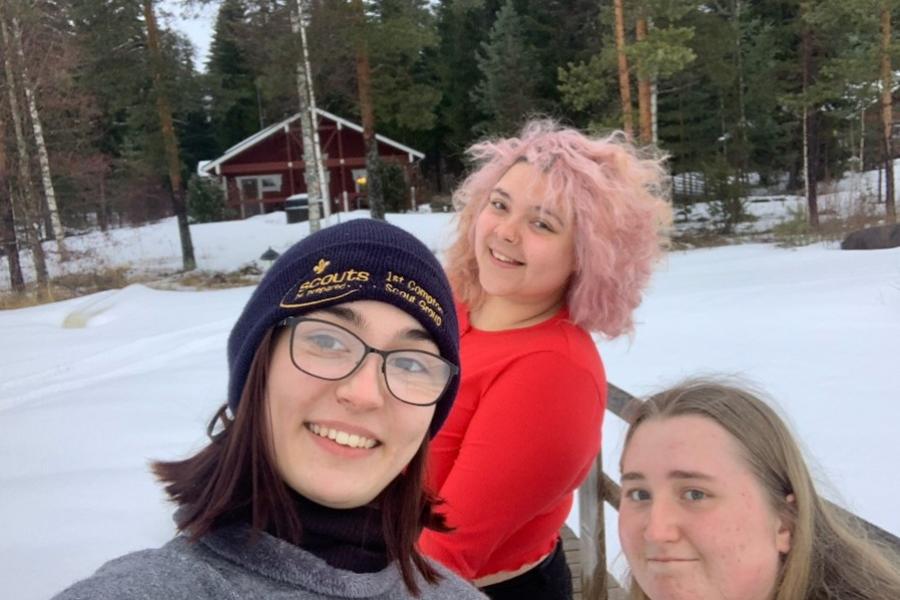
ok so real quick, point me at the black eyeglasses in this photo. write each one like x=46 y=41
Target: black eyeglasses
x=328 y=351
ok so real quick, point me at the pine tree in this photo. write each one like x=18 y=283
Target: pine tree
x=507 y=93
x=399 y=33
x=366 y=108
x=461 y=29
x=170 y=142
x=234 y=105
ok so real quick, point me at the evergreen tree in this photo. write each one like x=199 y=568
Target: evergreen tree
x=234 y=107
x=507 y=93
x=404 y=96
x=461 y=28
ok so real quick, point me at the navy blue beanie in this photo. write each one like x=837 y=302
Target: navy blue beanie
x=362 y=259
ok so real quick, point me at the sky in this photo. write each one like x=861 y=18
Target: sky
x=196 y=23
x=93 y=388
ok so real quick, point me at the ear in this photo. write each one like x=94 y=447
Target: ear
x=785 y=528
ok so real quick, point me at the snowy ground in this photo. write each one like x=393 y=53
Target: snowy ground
x=83 y=409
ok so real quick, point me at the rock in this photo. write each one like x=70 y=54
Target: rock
x=873 y=238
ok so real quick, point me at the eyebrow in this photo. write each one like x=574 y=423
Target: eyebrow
x=676 y=474
x=353 y=317
x=501 y=191
x=538 y=208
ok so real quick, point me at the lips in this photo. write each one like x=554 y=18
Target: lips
x=670 y=560
x=504 y=258
x=342 y=437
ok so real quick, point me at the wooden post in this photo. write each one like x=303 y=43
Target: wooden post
x=592 y=536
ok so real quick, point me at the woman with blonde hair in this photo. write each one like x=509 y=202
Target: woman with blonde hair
x=557 y=236
x=717 y=502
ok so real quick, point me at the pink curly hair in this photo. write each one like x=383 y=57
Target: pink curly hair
x=617 y=198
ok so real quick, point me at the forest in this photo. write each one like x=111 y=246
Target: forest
x=104 y=114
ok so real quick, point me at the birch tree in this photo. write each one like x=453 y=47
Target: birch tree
x=7 y=219
x=308 y=121
x=30 y=207
x=170 y=143
x=43 y=157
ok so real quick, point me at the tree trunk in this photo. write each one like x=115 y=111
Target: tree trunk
x=324 y=183
x=644 y=93
x=810 y=132
x=308 y=123
x=624 y=78
x=8 y=221
x=744 y=143
x=364 y=84
x=170 y=143
x=887 y=118
x=862 y=139
x=102 y=209
x=43 y=158
x=30 y=208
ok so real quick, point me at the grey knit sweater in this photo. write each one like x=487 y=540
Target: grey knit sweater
x=224 y=566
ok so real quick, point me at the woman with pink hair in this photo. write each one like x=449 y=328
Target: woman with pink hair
x=557 y=237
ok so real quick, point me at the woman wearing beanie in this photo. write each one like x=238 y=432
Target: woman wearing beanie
x=342 y=366
x=557 y=237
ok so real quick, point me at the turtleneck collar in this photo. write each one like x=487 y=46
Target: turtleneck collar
x=349 y=539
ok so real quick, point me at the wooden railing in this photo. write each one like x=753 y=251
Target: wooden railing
x=599 y=489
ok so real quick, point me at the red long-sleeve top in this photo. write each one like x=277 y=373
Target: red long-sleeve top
x=522 y=436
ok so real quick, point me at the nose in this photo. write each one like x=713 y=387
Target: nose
x=662 y=522
x=507 y=230
x=365 y=388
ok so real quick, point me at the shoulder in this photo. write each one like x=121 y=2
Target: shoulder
x=557 y=365
x=171 y=572
x=558 y=336
x=451 y=586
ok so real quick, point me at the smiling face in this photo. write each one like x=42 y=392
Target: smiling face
x=694 y=521
x=524 y=244
x=340 y=443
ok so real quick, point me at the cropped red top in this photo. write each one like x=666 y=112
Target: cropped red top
x=522 y=436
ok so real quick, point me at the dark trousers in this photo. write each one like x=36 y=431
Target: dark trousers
x=549 y=580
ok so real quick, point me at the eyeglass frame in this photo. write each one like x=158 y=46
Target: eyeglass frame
x=292 y=322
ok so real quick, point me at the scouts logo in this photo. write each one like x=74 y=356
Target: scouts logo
x=324 y=287
x=321 y=266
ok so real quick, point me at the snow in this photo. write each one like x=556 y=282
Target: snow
x=94 y=388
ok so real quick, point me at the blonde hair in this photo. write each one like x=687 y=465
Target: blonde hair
x=831 y=556
x=617 y=199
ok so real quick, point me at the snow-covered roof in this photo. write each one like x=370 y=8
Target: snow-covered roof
x=210 y=167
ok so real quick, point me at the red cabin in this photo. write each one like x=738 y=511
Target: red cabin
x=262 y=171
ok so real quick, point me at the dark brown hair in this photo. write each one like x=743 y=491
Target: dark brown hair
x=233 y=479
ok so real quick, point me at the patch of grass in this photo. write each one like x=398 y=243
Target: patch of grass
x=69 y=286
x=795 y=230
x=83 y=283
x=95 y=280
x=210 y=280
x=699 y=239
x=833 y=226
x=12 y=300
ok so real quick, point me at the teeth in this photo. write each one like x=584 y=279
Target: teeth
x=343 y=438
x=504 y=258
